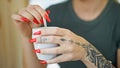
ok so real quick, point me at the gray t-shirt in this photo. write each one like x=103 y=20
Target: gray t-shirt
x=103 y=32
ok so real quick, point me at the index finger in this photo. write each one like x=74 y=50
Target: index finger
x=43 y=13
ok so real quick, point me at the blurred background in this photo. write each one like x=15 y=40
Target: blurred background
x=10 y=41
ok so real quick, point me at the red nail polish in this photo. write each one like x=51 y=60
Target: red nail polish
x=24 y=19
x=36 y=51
x=41 y=21
x=48 y=11
x=35 y=21
x=47 y=18
x=37 y=33
x=43 y=62
x=32 y=40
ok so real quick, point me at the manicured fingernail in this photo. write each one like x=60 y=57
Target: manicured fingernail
x=36 y=51
x=47 y=18
x=48 y=11
x=32 y=40
x=24 y=19
x=35 y=21
x=43 y=62
x=37 y=33
x=41 y=21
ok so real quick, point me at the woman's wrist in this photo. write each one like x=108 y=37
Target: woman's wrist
x=94 y=57
x=85 y=58
x=88 y=63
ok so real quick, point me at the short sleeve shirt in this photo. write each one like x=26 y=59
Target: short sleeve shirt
x=103 y=32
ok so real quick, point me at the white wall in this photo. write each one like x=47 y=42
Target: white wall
x=119 y=1
x=45 y=3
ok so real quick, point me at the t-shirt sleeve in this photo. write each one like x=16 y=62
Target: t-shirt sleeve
x=118 y=29
x=118 y=34
x=119 y=45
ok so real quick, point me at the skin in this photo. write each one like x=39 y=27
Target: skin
x=71 y=46
x=25 y=28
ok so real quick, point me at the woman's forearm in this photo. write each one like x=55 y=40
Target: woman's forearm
x=29 y=58
x=94 y=59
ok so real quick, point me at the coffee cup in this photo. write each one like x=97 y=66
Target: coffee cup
x=38 y=46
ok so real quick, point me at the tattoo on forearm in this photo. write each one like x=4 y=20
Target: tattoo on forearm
x=96 y=57
x=93 y=55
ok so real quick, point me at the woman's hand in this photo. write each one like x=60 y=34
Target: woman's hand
x=69 y=48
x=29 y=17
x=25 y=20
